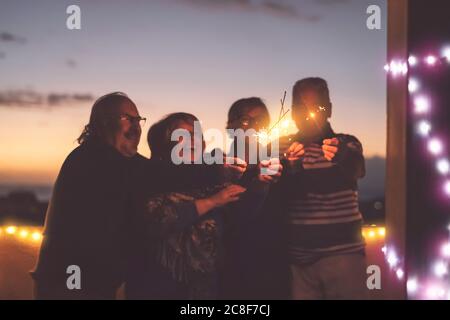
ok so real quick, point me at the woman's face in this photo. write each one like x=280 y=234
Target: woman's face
x=255 y=118
x=194 y=146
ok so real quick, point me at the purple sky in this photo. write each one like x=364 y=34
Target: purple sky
x=196 y=56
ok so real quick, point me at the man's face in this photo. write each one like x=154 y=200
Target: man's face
x=312 y=114
x=128 y=134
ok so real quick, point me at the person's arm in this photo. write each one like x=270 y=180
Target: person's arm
x=174 y=212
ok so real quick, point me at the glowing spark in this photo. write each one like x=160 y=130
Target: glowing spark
x=443 y=166
x=431 y=60
x=413 y=85
x=424 y=128
x=412 y=285
x=447 y=187
x=36 y=236
x=412 y=60
x=435 y=146
x=11 y=230
x=400 y=274
x=440 y=269
x=422 y=105
x=23 y=233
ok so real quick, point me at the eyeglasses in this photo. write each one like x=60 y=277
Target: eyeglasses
x=133 y=120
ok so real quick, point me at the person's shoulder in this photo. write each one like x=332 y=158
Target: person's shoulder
x=76 y=155
x=139 y=159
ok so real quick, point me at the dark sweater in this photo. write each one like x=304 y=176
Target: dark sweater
x=87 y=223
x=321 y=199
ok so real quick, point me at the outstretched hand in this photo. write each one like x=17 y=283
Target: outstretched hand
x=295 y=151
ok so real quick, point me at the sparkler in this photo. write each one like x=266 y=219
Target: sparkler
x=280 y=127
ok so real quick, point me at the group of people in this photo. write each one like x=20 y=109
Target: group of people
x=206 y=231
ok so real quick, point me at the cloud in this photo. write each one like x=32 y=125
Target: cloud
x=271 y=7
x=277 y=8
x=10 y=37
x=32 y=99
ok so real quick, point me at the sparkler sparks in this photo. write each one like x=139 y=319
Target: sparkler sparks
x=279 y=128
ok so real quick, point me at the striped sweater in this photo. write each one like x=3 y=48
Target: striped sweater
x=321 y=199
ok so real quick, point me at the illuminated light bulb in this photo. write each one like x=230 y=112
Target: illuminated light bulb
x=371 y=234
x=36 y=236
x=446 y=53
x=413 y=85
x=435 y=146
x=422 y=105
x=400 y=274
x=443 y=166
x=434 y=292
x=382 y=231
x=447 y=187
x=383 y=249
x=395 y=68
x=445 y=250
x=412 y=60
x=440 y=269
x=424 y=128
x=404 y=68
x=392 y=259
x=412 y=285
x=23 y=233
x=431 y=60
x=11 y=230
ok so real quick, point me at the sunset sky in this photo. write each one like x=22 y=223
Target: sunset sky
x=195 y=56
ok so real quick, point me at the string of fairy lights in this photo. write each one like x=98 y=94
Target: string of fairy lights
x=436 y=284
x=371 y=233
x=23 y=233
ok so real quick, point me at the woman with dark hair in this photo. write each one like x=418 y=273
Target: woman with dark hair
x=248 y=255
x=185 y=216
x=247 y=114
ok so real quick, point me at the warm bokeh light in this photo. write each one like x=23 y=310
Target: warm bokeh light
x=374 y=232
x=23 y=233
x=36 y=236
x=11 y=230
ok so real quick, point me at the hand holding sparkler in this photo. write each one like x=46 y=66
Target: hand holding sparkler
x=270 y=170
x=330 y=148
x=295 y=151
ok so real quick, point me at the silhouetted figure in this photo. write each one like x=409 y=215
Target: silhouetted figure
x=88 y=217
x=320 y=199
x=182 y=218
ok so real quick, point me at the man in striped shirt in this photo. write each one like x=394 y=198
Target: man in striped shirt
x=325 y=245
